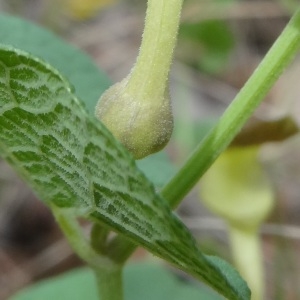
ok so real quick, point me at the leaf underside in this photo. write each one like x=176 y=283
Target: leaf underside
x=80 y=70
x=72 y=161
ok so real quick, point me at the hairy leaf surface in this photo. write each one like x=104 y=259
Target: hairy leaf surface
x=72 y=161
x=79 y=69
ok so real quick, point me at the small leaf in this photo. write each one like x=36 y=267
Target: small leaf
x=207 y=43
x=72 y=161
x=158 y=168
x=79 y=69
x=141 y=281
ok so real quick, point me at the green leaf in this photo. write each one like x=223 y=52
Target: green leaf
x=158 y=168
x=141 y=281
x=209 y=42
x=80 y=70
x=72 y=161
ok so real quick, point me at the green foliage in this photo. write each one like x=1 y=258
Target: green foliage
x=75 y=165
x=164 y=286
x=208 y=44
x=81 y=72
x=73 y=162
x=239 y=111
x=158 y=168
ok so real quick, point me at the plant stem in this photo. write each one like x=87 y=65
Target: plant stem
x=81 y=245
x=247 y=100
x=163 y=17
x=117 y=249
x=99 y=235
x=246 y=251
x=109 y=283
x=148 y=77
x=107 y=271
x=279 y=56
x=150 y=73
x=120 y=248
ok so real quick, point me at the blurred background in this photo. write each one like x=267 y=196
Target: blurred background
x=220 y=44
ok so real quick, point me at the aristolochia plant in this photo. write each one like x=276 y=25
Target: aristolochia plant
x=80 y=170
x=141 y=102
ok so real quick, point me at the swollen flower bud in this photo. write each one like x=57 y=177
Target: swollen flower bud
x=142 y=124
x=137 y=110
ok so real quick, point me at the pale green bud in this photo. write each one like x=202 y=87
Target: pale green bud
x=142 y=124
x=237 y=188
x=137 y=110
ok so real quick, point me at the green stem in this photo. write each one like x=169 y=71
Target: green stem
x=99 y=235
x=120 y=248
x=148 y=77
x=75 y=236
x=150 y=73
x=109 y=283
x=77 y=239
x=109 y=274
x=247 y=100
x=107 y=271
x=246 y=251
x=117 y=249
x=254 y=91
